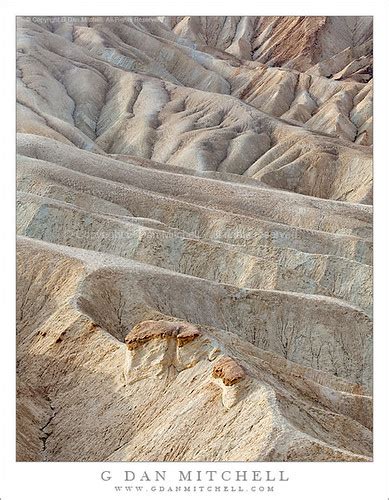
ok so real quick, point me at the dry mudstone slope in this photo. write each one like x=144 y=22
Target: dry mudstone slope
x=194 y=221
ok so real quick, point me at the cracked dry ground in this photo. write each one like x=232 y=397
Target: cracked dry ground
x=194 y=239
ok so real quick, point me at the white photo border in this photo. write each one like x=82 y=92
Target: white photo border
x=307 y=481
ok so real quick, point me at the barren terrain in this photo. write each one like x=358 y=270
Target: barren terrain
x=194 y=220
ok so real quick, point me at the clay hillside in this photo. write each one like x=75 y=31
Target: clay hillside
x=194 y=220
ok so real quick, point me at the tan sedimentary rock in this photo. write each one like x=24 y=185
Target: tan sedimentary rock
x=228 y=370
x=194 y=227
x=150 y=330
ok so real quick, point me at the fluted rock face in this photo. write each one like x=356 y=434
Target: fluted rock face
x=336 y=47
x=194 y=249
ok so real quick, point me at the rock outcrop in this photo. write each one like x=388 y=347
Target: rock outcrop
x=228 y=371
x=150 y=330
x=194 y=239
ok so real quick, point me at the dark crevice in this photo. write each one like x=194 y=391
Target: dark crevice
x=47 y=433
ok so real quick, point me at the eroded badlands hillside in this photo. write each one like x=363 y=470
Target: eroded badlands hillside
x=195 y=239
